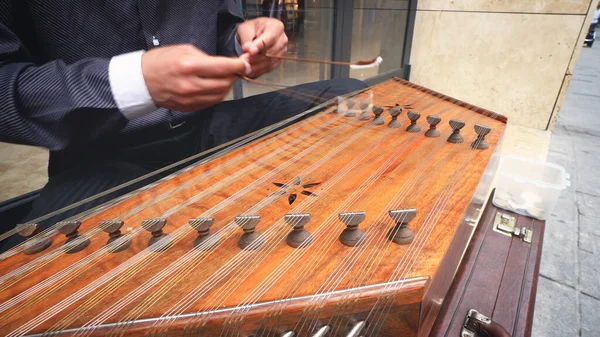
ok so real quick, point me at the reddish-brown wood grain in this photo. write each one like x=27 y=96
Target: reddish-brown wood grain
x=347 y=164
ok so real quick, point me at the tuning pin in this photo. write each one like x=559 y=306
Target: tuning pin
x=400 y=233
x=356 y=329
x=113 y=228
x=352 y=236
x=377 y=111
x=298 y=237
x=395 y=112
x=456 y=137
x=350 y=112
x=74 y=243
x=251 y=239
x=433 y=122
x=350 y=103
x=365 y=112
x=205 y=240
x=482 y=131
x=33 y=245
x=413 y=116
x=159 y=241
x=322 y=331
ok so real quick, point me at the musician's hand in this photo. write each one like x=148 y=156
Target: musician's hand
x=259 y=37
x=183 y=78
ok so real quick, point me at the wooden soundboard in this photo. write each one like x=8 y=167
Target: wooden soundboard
x=328 y=174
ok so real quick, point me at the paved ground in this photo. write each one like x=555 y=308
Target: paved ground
x=568 y=298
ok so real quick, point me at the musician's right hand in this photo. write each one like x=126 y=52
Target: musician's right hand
x=183 y=78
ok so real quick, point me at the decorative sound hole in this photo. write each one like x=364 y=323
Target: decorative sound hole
x=295 y=189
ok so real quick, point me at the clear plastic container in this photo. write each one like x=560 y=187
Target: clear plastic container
x=529 y=187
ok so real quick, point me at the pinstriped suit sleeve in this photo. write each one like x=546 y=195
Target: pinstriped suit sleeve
x=53 y=105
x=229 y=17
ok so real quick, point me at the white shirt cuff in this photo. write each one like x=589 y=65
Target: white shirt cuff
x=128 y=86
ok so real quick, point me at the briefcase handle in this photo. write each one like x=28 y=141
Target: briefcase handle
x=478 y=325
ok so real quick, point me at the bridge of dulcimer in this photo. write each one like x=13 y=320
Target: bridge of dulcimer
x=349 y=222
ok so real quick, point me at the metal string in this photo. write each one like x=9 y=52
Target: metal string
x=171 y=280
x=433 y=223
x=157 y=243
x=321 y=254
x=420 y=244
x=82 y=262
x=71 y=271
x=359 y=273
x=434 y=211
x=224 y=148
x=438 y=207
x=352 y=258
x=352 y=253
x=264 y=235
x=390 y=243
x=369 y=265
x=42 y=260
x=272 y=172
x=375 y=256
x=96 y=230
x=316 y=234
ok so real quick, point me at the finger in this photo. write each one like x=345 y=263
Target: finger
x=246 y=57
x=280 y=48
x=256 y=59
x=217 y=66
x=269 y=37
x=209 y=86
x=260 y=69
x=259 y=61
x=246 y=46
x=257 y=46
x=246 y=33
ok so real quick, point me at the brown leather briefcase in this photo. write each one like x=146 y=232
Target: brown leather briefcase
x=493 y=293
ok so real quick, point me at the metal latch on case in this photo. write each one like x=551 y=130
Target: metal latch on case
x=507 y=225
x=478 y=325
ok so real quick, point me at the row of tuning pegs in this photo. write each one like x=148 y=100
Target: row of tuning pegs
x=75 y=242
x=481 y=130
x=353 y=330
x=250 y=239
x=299 y=237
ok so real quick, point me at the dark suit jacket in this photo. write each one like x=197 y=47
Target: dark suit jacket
x=54 y=57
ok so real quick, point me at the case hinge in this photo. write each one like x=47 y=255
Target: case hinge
x=507 y=225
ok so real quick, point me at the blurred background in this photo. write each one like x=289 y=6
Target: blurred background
x=321 y=29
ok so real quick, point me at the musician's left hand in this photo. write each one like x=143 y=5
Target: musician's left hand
x=259 y=37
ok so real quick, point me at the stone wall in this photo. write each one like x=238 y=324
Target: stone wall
x=511 y=57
